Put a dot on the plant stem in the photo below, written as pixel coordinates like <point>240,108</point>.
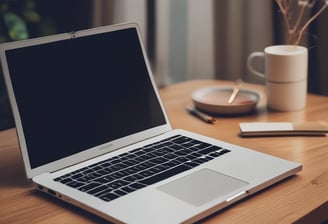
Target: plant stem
<point>297,24</point>
<point>285,6</point>
<point>300,34</point>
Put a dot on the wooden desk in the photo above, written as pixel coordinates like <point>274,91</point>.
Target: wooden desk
<point>296,199</point>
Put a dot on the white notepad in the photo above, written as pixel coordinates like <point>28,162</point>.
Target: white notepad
<point>283,128</point>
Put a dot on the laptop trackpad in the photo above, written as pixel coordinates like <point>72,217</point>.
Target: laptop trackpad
<point>202,186</point>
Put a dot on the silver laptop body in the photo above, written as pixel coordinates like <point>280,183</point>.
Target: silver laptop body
<point>88,97</point>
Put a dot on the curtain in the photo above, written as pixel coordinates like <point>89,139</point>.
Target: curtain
<point>107,12</point>
<point>103,12</point>
<point>209,39</point>
<point>241,27</point>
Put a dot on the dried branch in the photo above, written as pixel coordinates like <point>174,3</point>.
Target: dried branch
<point>296,30</point>
<point>300,34</point>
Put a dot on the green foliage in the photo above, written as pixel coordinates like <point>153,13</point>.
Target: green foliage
<point>15,17</point>
<point>16,27</point>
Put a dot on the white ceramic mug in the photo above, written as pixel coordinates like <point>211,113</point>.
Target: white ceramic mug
<point>285,74</point>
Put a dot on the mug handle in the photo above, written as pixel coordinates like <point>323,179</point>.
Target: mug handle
<point>249,63</point>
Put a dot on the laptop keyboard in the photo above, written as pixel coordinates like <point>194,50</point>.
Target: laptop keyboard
<point>128,172</point>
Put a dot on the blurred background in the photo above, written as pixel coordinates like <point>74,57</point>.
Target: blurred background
<point>185,39</point>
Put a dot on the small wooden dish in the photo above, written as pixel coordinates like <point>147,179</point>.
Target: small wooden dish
<point>215,100</point>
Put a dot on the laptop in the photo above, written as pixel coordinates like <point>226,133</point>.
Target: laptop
<point>93,132</point>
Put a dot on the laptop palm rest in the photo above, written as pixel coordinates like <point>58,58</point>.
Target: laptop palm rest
<point>202,186</point>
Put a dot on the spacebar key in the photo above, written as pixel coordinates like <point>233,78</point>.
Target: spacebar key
<point>164,175</point>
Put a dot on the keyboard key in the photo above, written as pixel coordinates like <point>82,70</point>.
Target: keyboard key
<point>98,190</point>
<point>181,140</point>
<point>109,196</point>
<point>209,150</point>
<point>88,187</point>
<point>117,184</point>
<point>120,192</point>
<point>191,164</point>
<point>137,186</point>
<point>78,175</point>
<point>147,173</point>
<point>75,184</point>
<point>128,189</point>
<point>105,179</point>
<point>158,160</point>
<point>66,180</point>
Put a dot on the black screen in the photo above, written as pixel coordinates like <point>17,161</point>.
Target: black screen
<point>78,93</point>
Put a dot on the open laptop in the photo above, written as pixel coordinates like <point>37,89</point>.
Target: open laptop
<point>93,132</point>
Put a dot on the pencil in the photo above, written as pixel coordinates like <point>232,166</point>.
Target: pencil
<point>204,117</point>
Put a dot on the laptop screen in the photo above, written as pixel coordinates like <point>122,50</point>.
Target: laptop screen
<point>78,93</point>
